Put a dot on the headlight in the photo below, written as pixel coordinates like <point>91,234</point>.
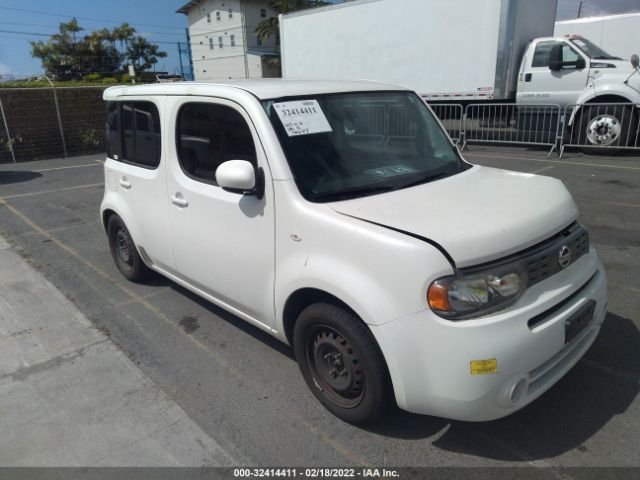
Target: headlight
<point>477,293</point>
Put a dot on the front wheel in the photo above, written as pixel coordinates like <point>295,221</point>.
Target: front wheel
<point>342,363</point>
<point>606,126</point>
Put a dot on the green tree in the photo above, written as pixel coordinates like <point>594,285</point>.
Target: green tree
<point>65,56</point>
<point>143,54</point>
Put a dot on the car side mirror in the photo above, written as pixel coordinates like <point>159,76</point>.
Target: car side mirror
<point>581,63</point>
<point>635,61</point>
<point>239,176</point>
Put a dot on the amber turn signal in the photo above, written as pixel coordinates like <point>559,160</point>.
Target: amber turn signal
<point>438,297</point>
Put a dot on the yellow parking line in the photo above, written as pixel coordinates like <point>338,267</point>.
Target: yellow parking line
<point>622,204</point>
<point>543,169</point>
<point>44,192</point>
<point>561,162</point>
<point>337,446</point>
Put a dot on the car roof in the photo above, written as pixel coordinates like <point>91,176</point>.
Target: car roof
<point>261,88</point>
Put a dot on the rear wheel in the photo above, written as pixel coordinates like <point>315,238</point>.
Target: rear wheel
<point>124,252</point>
<point>606,126</point>
<point>342,363</point>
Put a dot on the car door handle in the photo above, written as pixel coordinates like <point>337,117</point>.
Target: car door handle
<point>527,77</point>
<point>179,200</point>
<point>124,183</point>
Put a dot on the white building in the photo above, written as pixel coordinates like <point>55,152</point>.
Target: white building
<point>223,39</point>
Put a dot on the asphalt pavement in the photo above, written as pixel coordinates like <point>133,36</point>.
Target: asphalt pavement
<point>242,388</point>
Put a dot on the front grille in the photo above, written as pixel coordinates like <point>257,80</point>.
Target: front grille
<point>543,260</point>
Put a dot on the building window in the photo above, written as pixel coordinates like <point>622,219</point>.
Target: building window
<point>211,44</point>
<point>208,18</point>
<point>263,12</point>
<point>258,39</point>
<point>218,15</point>
<point>230,13</point>
<point>207,135</point>
<point>220,42</point>
<point>232,39</point>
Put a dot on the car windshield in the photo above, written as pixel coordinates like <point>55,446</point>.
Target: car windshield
<point>349,145</point>
<point>592,50</point>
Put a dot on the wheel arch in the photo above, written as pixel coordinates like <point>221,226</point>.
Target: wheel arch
<point>607,98</point>
<point>300,299</point>
<point>106,215</point>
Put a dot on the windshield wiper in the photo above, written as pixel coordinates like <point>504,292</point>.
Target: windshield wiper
<point>429,178</point>
<point>349,192</point>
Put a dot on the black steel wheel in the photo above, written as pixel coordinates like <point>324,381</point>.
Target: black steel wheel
<point>124,252</point>
<point>342,363</point>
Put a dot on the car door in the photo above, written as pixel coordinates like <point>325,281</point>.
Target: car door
<point>538,84</point>
<point>223,242</point>
<point>135,169</point>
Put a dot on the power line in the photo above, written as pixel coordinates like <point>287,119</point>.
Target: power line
<point>103,20</point>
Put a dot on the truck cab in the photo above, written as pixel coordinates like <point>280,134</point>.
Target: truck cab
<point>573,70</point>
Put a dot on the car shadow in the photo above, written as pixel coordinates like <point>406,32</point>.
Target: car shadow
<point>602,385</point>
<point>17,177</point>
<point>239,323</point>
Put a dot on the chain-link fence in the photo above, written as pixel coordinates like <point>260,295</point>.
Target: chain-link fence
<point>40,123</point>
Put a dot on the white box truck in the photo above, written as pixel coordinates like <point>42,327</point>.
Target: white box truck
<point>443,49</point>
<point>469,51</point>
<point>616,34</point>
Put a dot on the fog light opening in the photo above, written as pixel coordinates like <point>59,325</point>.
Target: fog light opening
<point>519,391</point>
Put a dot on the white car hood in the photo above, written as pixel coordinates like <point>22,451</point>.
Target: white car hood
<point>477,216</point>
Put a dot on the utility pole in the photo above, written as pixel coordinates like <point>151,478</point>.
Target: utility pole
<point>580,9</point>
<point>244,39</point>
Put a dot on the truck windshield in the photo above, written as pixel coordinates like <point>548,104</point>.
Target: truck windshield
<point>592,50</point>
<point>348,145</point>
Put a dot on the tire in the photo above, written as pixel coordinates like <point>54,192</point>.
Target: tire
<point>342,363</point>
<point>606,126</point>
<point>124,252</point>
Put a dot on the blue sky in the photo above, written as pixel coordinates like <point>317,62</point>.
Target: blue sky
<point>155,19</point>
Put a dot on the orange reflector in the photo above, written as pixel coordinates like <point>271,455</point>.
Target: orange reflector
<point>438,297</point>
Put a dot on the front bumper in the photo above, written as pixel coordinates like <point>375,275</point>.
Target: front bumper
<point>429,357</point>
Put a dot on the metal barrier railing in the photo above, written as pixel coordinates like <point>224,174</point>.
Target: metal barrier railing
<point>601,126</point>
<point>451,116</point>
<point>511,123</point>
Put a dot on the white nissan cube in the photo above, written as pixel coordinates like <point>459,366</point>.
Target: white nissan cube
<point>339,217</point>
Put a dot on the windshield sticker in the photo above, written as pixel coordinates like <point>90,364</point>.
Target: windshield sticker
<point>391,171</point>
<point>303,117</point>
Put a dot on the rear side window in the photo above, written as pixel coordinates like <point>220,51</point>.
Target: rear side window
<point>208,135</point>
<point>133,133</point>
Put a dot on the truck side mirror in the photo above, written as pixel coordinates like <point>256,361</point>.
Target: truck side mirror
<point>555,57</point>
<point>635,61</point>
<point>581,63</point>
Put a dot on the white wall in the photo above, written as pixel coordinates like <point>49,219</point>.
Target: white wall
<point>226,61</point>
<point>618,35</point>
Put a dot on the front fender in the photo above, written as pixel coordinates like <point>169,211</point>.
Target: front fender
<point>591,95</point>
<point>379,280</point>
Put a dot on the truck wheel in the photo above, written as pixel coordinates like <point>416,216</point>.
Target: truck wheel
<point>606,126</point>
<point>124,252</point>
<point>342,363</point>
